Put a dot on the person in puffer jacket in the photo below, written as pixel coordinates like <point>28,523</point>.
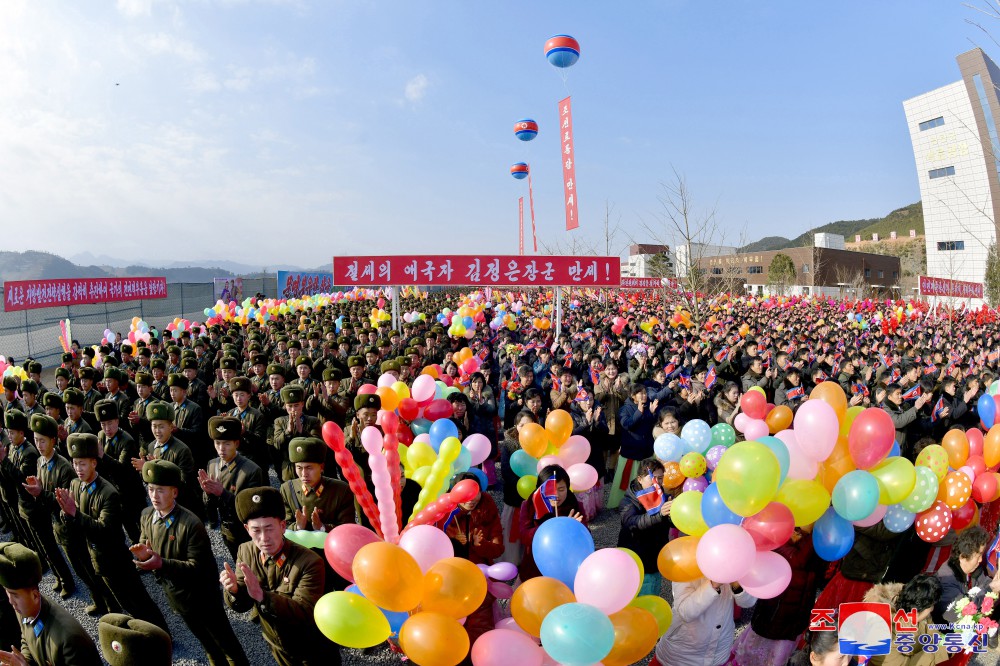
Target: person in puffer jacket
<point>645,531</point>
<point>920,594</point>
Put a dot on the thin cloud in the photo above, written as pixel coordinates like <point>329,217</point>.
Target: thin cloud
<point>416,88</point>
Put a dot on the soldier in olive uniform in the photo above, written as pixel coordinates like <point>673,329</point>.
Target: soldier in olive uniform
<point>349,387</point>
<point>10,400</point>
<point>189,420</point>
<point>221,401</point>
<point>158,368</point>
<point>294,424</point>
<point>327,403</point>
<point>49,633</point>
<point>17,462</point>
<point>138,424</point>
<point>75,422</point>
<point>280,579</point>
<point>175,546</point>
<point>226,476</point>
<point>254,442</point>
<point>303,372</point>
<point>197,389</point>
<point>270,399</point>
<point>168,447</point>
<point>115,464</point>
<point>126,641</point>
<point>39,509</point>
<point>54,406</point>
<point>258,373</point>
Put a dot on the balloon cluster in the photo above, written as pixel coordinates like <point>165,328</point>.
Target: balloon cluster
<point>139,330</point>
<point>66,335</point>
<point>553,444</point>
<point>8,370</point>
<point>178,326</point>
<point>109,337</point>
<point>688,458</point>
<point>462,322</point>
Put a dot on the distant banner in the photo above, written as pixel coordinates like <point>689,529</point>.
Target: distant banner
<point>531,207</point>
<point>648,283</point>
<point>31,294</point>
<point>297,285</point>
<point>486,270</point>
<point>520,225</point>
<point>932,286</point>
<point>228,289</point>
<point>569,163</point>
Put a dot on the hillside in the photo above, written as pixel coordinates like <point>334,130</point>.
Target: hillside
<point>33,265</point>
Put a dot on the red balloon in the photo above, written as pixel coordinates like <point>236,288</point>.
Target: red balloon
<point>333,436</point>
<point>871,437</point>
<point>977,464</point>
<point>963,516</point>
<point>388,420</point>
<point>408,409</point>
<point>975,437</point>
<point>933,524</point>
<point>404,434</point>
<point>465,491</point>
<point>438,409</point>
<point>448,381</point>
<point>366,389</point>
<point>770,527</point>
<point>754,404</point>
<point>343,543</point>
<point>984,488</point>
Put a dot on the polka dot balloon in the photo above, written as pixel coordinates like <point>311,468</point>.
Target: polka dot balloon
<point>956,490</point>
<point>933,524</point>
<point>935,458</point>
<point>924,491</point>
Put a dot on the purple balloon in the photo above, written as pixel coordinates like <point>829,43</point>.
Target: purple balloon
<point>695,483</point>
<point>502,571</point>
<point>714,455</point>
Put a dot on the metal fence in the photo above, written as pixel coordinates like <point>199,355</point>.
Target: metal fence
<point>35,333</point>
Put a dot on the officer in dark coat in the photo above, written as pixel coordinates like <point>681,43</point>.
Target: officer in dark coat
<point>294,424</point>
<point>253,445</point>
<point>168,447</point>
<point>115,464</point>
<point>17,462</point>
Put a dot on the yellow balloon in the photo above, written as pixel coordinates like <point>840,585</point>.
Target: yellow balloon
<point>686,513</point>
<point>526,485</point>
<point>420,475</point>
<point>351,620</point>
<point>806,498</point>
<point>759,390</point>
<point>401,390</point>
<point>896,478</point>
<point>852,413</point>
<point>420,454</point>
<point>659,607</point>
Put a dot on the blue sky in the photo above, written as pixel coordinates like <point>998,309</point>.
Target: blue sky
<point>286,132</point>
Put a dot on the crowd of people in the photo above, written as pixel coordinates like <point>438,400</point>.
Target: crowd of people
<point>123,466</point>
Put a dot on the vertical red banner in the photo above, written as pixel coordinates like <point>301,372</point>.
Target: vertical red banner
<point>531,207</point>
<point>569,163</point>
<point>520,225</point>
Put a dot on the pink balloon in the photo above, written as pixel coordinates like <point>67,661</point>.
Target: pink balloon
<point>968,471</point>
<point>343,543</point>
<point>366,389</point>
<point>501,647</point>
<point>427,544</point>
<point>545,461</point>
<point>877,515</point>
<point>975,437</point>
<point>607,579</point>
<point>871,437</point>
<point>371,439</point>
<point>511,624</point>
<point>771,526</point>
<point>755,429</point>
<point>499,590</point>
<point>816,428</point>
<point>423,388</point>
<point>386,381</point>
<point>478,446</point>
<point>741,421</point>
<point>575,450</point>
<point>581,477</point>
<point>725,553</point>
<point>768,575</point>
<point>800,466</point>
<point>423,437</point>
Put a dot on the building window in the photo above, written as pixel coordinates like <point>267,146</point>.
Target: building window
<point>950,246</point>
<point>805,268</point>
<point>755,269</point>
<point>716,271</point>
<point>933,122</point>
<point>895,275</point>
<point>942,172</point>
<point>881,274</point>
<point>868,272</point>
<point>988,115</point>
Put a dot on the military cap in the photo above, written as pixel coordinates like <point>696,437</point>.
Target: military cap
<point>14,419</point>
<point>180,381</point>
<point>45,425</point>
<point>226,428</point>
<point>74,396</point>
<point>303,360</point>
<point>282,338</point>
<point>343,340</point>
<point>88,373</point>
<point>295,344</point>
<point>229,349</point>
<point>409,351</point>
<point>313,335</point>
<point>227,339</point>
<point>158,363</point>
<point>104,349</point>
<point>240,384</point>
<point>20,567</point>
<point>159,411</point>
<point>67,357</point>
<point>200,342</point>
<point>332,375</point>
<point>174,349</point>
<point>262,502</point>
<point>52,399</point>
<point>82,445</point>
<point>126,641</point>
<point>354,361</point>
<point>369,400</point>
<point>63,372</point>
<point>144,379</point>
<point>111,361</point>
<point>111,372</point>
<point>389,366</point>
<point>307,449</point>
<point>89,351</point>
<point>185,335</point>
<point>254,347</point>
<point>189,363</point>
<point>10,383</point>
<point>29,386</point>
<point>383,343</point>
<point>145,351</point>
<point>229,363</point>
<point>126,349</point>
<point>371,349</point>
<point>393,332</point>
<point>292,393</point>
<point>275,369</point>
<point>256,359</point>
<point>106,410</point>
<point>161,472</point>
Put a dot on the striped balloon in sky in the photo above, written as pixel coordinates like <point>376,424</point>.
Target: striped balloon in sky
<point>519,170</point>
<point>562,51</point>
<point>526,129</point>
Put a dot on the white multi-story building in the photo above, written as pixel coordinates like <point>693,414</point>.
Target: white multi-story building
<point>698,252</point>
<point>643,258</point>
<point>956,149</point>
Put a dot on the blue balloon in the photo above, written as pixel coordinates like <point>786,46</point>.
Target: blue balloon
<point>441,430</point>
<point>523,464</point>
<point>668,447</point>
<point>894,451</point>
<point>987,410</point>
<point>856,495</point>
<point>560,546</point>
<point>420,426</point>
<point>577,634</point>
<point>897,519</point>
<point>396,620</point>
<point>780,452</point>
<point>562,51</point>
<point>698,435</point>
<point>714,510</point>
<point>463,462</point>
<point>481,477</point>
<point>832,536</point>
<point>468,322</point>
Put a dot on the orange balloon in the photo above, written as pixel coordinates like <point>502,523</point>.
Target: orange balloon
<point>453,586</point>
<point>677,560</point>
<point>388,576</point>
<point>991,447</point>
<point>836,465</point>
<point>390,399</point>
<point>534,440</point>
<point>955,490</point>
<point>957,445</point>
<point>672,475</point>
<point>433,639</point>
<point>535,598</point>
<point>559,424</point>
<point>833,395</point>
<point>779,418</point>
<point>430,370</point>
<point>635,636</point>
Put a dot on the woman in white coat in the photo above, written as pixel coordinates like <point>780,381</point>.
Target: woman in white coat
<point>702,631</point>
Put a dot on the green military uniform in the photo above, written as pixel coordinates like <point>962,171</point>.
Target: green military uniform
<point>236,475</point>
<point>187,573</point>
<point>116,467</point>
<point>140,430</point>
<point>253,443</point>
<point>120,398</point>
<point>126,641</point>
<point>284,431</point>
<point>177,452</point>
<point>16,466</point>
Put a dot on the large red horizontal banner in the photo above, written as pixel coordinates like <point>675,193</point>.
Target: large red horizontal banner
<point>648,283</point>
<point>31,294</point>
<point>932,286</point>
<point>468,270</point>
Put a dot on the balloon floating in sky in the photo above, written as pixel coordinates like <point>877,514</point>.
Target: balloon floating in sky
<point>526,129</point>
<point>562,51</point>
<point>519,170</point>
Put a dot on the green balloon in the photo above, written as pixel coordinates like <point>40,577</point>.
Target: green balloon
<point>659,607</point>
<point>924,492</point>
<point>747,477</point>
<point>526,486</point>
<point>351,620</point>
<point>307,538</point>
<point>723,435</point>
<point>686,513</point>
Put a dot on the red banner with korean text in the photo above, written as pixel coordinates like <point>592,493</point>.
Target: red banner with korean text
<point>932,286</point>
<point>531,208</point>
<point>648,283</point>
<point>520,225</point>
<point>469,270</point>
<point>32,294</point>
<point>569,163</point>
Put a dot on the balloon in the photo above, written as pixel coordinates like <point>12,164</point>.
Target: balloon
<point>526,485</point>
<point>668,447</point>
<point>832,536</point>
<point>672,476</point>
<point>780,451</point>
<point>698,483</point>
<point>697,434</point>
<point>807,500</point>
<point>714,455</point>
<point>562,51</point>
<point>502,571</point>
<point>770,573</point>
<point>526,129</point>
<point>678,560</point>
<point>725,553</point>
<point>856,495</point>
<point>659,608</point>
<point>934,523</point>
<point>608,580</point>
<point>832,394</point>
<point>441,430</point>
<point>434,639</point>
<point>897,519</point>
<point>427,545</point>
<point>723,435</point>
<point>575,450</point>
<point>925,490</point>
<point>351,620</point>
<point>408,409</point>
<point>636,631</point>
<point>577,634</point>
<point>420,454</point>
<point>754,405</point>
<point>771,527</point>
<point>955,490</point>
<point>686,514</point>
<point>714,511</point>
<point>874,518</point>
<point>453,587</point>
<point>956,445</point>
<point>848,420</point>
<point>963,516</point>
<point>896,478</point>
<point>388,576</point>
<point>522,464</point>
<point>747,477</point>
<point>984,488</point>
<point>741,421</point>
<point>693,464</point>
<point>582,477</point>
<point>423,388</point>
<point>991,447</point>
<point>935,458</point>
<point>478,446</point>
<point>987,410</point>
<point>534,440</point>
<point>559,424</point>
<point>307,538</point>
<point>755,429</point>
<point>343,542</point>
<point>800,466</point>
<point>816,428</point>
<point>560,546</point>
<point>871,437</point>
<point>780,418</point>
<point>500,647</point>
<point>535,598</point>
